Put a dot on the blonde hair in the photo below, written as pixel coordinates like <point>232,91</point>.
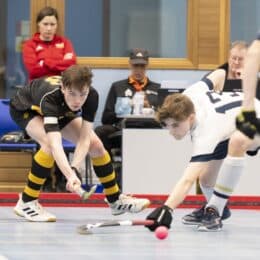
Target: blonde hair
<point>239,45</point>
<point>176,106</point>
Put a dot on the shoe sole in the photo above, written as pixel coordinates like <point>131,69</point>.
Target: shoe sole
<point>197,223</point>
<point>204,229</point>
<point>190,223</point>
<point>144,207</point>
<point>18,214</point>
<point>49,220</point>
<point>227,216</point>
<point>22,216</point>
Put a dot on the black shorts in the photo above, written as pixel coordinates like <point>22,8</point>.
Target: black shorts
<point>22,118</point>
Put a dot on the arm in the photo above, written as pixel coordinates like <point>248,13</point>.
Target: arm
<point>183,186</point>
<point>57,61</point>
<point>246,121</point>
<point>218,79</point>
<point>34,66</point>
<point>82,147</point>
<point>162,215</point>
<point>55,141</point>
<point>251,69</point>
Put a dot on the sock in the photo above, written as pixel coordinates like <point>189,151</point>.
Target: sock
<point>41,169</point>
<point>106,175</point>
<point>228,178</point>
<point>207,191</point>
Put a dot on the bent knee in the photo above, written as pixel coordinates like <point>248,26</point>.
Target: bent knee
<point>96,148</point>
<point>239,143</point>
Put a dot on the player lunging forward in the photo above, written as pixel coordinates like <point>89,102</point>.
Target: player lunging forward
<point>55,107</point>
<point>208,116</point>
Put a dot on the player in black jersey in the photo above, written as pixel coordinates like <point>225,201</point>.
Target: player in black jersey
<point>64,106</point>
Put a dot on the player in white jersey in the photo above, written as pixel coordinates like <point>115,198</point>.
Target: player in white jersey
<point>247,135</point>
<point>208,116</point>
<point>212,111</point>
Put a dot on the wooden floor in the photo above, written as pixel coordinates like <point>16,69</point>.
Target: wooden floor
<point>240,238</point>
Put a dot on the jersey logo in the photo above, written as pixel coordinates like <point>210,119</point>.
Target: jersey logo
<point>39,48</point>
<point>69,114</point>
<point>128,93</point>
<point>54,80</point>
<point>59,45</point>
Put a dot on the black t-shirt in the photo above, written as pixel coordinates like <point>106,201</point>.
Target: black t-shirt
<point>45,97</point>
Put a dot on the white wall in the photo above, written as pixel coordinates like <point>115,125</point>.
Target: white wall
<point>153,162</point>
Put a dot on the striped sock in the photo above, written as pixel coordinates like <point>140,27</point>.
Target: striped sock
<point>41,169</point>
<point>207,191</point>
<point>106,174</point>
<point>228,178</point>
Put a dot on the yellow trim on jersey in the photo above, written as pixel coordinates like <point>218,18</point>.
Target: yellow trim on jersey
<point>37,109</point>
<point>112,190</point>
<point>99,161</point>
<point>54,80</point>
<point>36,179</point>
<point>31,192</point>
<point>44,159</point>
<point>222,188</point>
<point>108,178</point>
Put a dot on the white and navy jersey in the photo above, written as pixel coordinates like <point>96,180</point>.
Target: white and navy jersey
<point>44,96</point>
<point>215,120</point>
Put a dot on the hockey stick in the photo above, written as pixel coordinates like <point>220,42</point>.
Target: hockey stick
<point>85,194</point>
<point>86,229</point>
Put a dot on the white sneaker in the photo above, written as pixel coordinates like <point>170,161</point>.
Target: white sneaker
<point>128,204</point>
<point>33,211</point>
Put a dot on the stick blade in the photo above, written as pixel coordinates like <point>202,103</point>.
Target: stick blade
<point>83,230</point>
<point>87,194</point>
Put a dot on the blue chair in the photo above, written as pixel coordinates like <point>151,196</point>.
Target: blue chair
<point>8,125</point>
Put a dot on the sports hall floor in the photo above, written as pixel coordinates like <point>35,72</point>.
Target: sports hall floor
<point>240,238</point>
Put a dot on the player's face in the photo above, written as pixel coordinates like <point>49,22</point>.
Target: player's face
<point>138,71</point>
<point>236,62</point>
<point>179,129</point>
<point>47,28</point>
<point>75,98</point>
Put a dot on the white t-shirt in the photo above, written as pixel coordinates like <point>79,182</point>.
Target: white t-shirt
<point>215,120</point>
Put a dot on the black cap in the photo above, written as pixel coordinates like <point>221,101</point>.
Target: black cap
<point>139,56</point>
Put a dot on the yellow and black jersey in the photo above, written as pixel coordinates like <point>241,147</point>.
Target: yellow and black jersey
<point>45,97</point>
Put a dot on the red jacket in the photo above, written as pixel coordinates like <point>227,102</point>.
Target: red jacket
<point>43,58</point>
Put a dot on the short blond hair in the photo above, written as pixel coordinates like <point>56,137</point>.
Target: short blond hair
<point>239,44</point>
<point>176,106</point>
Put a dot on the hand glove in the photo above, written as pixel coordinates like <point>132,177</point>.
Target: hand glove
<point>246,123</point>
<point>73,182</point>
<point>161,216</point>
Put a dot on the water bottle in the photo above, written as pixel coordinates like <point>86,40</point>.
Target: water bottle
<point>138,103</point>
